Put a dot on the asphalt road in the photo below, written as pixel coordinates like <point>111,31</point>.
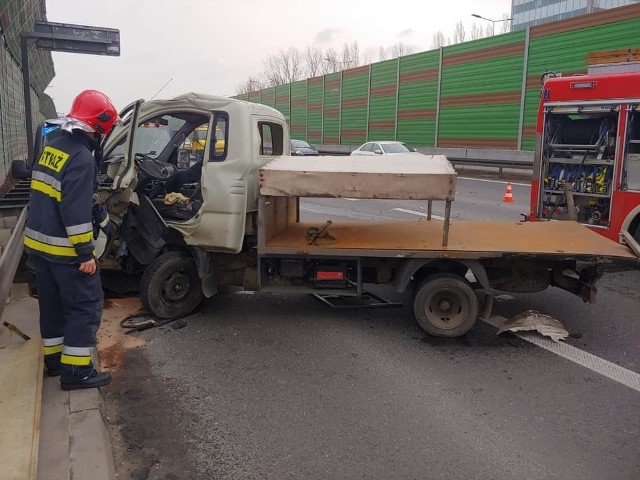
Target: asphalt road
<point>281,387</point>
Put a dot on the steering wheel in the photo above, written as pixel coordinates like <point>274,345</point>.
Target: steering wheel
<point>156,169</point>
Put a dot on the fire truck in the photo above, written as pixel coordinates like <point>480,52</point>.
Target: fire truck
<point>587,154</point>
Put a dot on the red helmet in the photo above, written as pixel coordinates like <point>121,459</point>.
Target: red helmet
<point>95,110</point>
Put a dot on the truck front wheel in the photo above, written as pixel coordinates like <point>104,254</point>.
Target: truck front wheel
<point>445,305</point>
<point>170,286</point>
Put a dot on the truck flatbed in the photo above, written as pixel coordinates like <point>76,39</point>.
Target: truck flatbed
<point>414,177</point>
<point>467,239</point>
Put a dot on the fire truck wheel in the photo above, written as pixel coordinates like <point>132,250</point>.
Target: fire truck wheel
<point>445,305</point>
<point>170,286</point>
<point>636,234</point>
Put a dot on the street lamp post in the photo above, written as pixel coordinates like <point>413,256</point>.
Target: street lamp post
<point>493,22</point>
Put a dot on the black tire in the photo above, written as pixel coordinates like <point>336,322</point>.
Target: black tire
<point>636,233</point>
<point>445,305</point>
<point>170,286</point>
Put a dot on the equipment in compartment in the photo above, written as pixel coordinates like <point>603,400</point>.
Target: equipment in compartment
<point>579,156</point>
<point>585,178</point>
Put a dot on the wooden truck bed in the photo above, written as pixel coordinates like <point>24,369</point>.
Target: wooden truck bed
<point>467,239</point>
<point>285,180</point>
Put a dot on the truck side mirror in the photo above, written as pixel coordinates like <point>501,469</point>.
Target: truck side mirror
<point>184,159</point>
<point>19,170</point>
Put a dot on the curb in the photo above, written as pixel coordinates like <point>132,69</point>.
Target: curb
<point>74,435</point>
<point>80,416</point>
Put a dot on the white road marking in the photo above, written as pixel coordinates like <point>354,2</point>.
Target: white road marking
<point>352,199</point>
<point>595,364</point>
<point>494,181</point>
<point>421,214</point>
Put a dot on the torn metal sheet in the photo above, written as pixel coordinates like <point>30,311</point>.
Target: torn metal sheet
<point>534,320</point>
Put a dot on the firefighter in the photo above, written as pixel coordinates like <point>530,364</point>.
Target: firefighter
<point>59,240</point>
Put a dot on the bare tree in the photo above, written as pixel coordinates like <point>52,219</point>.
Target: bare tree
<point>459,35</point>
<point>400,50</point>
<point>314,58</point>
<point>489,30</point>
<point>252,84</point>
<point>438,39</point>
<point>476,32</point>
<point>506,24</point>
<point>350,55</point>
<point>284,67</point>
<point>331,63</point>
<point>382,54</point>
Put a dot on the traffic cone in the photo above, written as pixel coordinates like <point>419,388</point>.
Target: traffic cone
<point>508,195</point>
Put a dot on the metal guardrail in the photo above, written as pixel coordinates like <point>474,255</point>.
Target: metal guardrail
<point>10,258</point>
<point>480,157</point>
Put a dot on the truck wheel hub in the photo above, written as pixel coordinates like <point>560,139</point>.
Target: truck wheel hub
<point>176,286</point>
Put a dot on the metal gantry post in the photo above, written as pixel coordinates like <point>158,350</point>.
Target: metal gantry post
<point>26,85</point>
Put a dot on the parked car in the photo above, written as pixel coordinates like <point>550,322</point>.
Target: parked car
<point>383,148</point>
<point>300,147</point>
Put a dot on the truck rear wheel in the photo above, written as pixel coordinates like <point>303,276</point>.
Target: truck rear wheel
<point>445,305</point>
<point>170,286</point>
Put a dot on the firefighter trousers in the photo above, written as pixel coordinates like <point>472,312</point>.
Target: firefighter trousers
<point>70,311</point>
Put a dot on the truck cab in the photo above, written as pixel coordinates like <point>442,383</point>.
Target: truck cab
<point>157,208</point>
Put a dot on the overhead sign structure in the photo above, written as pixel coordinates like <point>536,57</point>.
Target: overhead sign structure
<point>63,37</point>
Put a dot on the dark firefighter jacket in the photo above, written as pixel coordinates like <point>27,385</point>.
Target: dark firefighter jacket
<point>59,223</point>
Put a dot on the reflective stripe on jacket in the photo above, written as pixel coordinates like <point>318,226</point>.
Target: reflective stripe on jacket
<point>59,222</point>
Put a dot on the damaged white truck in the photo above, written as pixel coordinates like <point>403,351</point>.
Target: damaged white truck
<point>232,218</point>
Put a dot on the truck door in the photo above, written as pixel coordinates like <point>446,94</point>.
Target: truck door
<point>234,154</point>
<point>124,171</point>
<point>630,176</point>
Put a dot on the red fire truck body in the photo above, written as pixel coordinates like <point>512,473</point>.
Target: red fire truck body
<point>587,155</point>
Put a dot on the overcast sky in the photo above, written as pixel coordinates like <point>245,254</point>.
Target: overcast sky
<point>213,46</point>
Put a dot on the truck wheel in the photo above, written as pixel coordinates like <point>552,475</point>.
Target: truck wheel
<point>445,305</point>
<point>170,286</point>
<point>636,233</point>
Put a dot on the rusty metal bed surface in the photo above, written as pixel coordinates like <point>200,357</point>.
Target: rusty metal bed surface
<point>470,239</point>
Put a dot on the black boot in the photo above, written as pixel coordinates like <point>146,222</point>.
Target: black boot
<point>52,364</point>
<point>92,380</point>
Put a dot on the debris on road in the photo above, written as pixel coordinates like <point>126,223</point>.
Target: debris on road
<point>534,320</point>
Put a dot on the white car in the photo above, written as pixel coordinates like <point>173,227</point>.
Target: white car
<point>383,148</point>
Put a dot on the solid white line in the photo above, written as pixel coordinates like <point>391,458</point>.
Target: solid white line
<point>595,364</point>
<point>352,199</point>
<point>422,214</point>
<point>494,181</point>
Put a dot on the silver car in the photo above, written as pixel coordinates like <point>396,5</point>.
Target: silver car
<point>383,148</point>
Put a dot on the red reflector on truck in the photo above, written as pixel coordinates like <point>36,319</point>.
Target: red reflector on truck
<point>329,275</point>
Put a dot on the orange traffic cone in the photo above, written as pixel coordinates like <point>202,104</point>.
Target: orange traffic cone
<point>508,195</point>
